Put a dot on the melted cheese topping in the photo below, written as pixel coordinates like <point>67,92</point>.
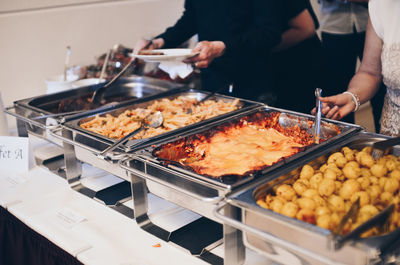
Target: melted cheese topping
<point>240,150</point>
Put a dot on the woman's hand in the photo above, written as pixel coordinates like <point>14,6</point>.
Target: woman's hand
<point>208,51</point>
<point>336,107</point>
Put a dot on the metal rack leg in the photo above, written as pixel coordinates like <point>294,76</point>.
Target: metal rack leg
<point>74,167</point>
<point>234,250</point>
<point>140,208</point>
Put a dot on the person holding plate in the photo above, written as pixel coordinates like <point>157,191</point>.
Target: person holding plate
<point>235,41</point>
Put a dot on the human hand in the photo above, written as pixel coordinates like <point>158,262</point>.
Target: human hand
<point>208,51</point>
<point>155,44</point>
<point>336,107</point>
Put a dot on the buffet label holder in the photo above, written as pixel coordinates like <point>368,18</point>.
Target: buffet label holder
<point>308,243</point>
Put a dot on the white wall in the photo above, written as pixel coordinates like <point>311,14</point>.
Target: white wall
<point>33,42</point>
<point>34,36</point>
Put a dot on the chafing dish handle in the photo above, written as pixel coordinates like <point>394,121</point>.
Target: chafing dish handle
<point>27,120</point>
<point>123,164</point>
<point>266,236</point>
<point>54,132</point>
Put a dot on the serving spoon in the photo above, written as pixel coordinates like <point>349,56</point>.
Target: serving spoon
<point>153,120</point>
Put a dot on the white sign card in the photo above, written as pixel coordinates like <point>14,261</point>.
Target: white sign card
<point>14,153</point>
<point>68,218</point>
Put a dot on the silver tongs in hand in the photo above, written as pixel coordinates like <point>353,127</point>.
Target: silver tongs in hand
<point>318,114</point>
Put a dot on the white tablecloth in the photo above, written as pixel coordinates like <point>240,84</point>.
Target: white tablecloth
<point>104,236</point>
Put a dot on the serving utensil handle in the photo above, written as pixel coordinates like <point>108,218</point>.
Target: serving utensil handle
<point>105,63</point>
<point>119,142</point>
<point>379,219</point>
<point>214,92</point>
<point>318,114</point>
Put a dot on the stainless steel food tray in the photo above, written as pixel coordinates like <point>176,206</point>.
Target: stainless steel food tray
<point>266,231</point>
<point>212,190</point>
<point>134,87</point>
<point>87,137</point>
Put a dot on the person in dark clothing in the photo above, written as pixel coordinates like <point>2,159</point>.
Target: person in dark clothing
<point>235,42</point>
<point>296,59</point>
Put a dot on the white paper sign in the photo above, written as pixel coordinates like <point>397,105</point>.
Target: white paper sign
<point>14,153</point>
<point>14,180</point>
<point>68,218</point>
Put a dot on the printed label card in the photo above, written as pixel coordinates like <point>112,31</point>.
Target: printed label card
<point>14,153</point>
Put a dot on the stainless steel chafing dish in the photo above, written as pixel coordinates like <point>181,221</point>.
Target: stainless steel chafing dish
<point>86,145</point>
<point>268,232</point>
<point>82,145</point>
<point>208,191</point>
<point>202,194</point>
<point>134,145</point>
<point>127,89</point>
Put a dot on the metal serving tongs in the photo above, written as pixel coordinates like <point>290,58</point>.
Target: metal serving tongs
<point>318,114</point>
<point>98,94</point>
<point>382,220</point>
<point>382,148</point>
<point>351,214</point>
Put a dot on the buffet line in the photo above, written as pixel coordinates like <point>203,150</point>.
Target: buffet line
<point>253,168</point>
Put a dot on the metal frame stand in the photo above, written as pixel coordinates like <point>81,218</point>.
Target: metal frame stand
<point>234,250</point>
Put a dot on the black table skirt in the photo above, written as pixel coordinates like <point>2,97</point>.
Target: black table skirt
<point>20,245</point>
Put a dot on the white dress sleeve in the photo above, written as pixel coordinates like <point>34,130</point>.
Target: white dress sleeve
<point>375,10</point>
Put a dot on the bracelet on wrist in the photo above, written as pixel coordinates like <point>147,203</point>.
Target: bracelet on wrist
<point>355,99</point>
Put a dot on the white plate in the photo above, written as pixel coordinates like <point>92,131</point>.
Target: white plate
<point>169,55</point>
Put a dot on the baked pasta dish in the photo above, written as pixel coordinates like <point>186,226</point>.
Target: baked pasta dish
<point>177,113</point>
<point>239,148</point>
<point>322,194</point>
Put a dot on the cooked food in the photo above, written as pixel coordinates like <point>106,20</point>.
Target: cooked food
<point>175,112</point>
<point>239,148</point>
<point>85,103</point>
<point>150,52</point>
<point>324,193</point>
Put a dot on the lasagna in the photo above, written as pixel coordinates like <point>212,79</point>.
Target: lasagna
<point>239,148</point>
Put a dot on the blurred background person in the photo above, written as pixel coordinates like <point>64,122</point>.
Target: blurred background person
<point>381,61</point>
<point>281,74</point>
<point>235,41</point>
<point>297,59</point>
<point>343,26</point>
